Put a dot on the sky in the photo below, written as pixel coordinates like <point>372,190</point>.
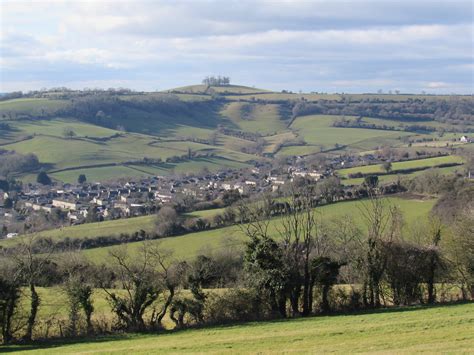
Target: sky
<point>321,45</point>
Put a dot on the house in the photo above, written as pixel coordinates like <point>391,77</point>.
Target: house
<point>465,139</point>
<point>38,206</point>
<point>11,235</point>
<point>67,205</point>
<point>163,197</point>
<point>227,187</point>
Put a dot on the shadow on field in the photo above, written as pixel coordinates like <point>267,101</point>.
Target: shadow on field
<point>55,343</point>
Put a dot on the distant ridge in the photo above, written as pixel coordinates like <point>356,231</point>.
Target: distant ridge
<point>227,89</point>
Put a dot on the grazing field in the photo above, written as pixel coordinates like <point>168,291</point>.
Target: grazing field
<point>28,106</point>
<point>319,134</point>
<point>94,145</point>
<point>438,329</point>
<point>160,132</point>
<point>264,119</point>
<point>189,245</point>
<point>401,177</point>
<point>108,228</point>
<point>410,164</point>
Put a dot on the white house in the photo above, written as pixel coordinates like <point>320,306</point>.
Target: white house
<point>464,139</point>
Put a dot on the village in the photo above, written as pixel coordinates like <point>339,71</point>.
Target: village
<point>92,202</point>
<point>35,207</point>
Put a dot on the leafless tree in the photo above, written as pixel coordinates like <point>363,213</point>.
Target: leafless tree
<point>31,264</point>
<point>383,225</point>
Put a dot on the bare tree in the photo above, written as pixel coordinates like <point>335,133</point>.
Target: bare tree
<point>31,264</point>
<point>298,230</point>
<point>145,276</point>
<point>383,224</point>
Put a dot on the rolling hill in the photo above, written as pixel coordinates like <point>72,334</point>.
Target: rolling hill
<point>224,126</point>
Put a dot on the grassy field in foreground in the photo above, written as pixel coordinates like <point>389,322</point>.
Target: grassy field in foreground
<point>406,330</point>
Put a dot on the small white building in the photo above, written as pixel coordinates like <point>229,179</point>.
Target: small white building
<point>464,139</point>
<point>12,235</point>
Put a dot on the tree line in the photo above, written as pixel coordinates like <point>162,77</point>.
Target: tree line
<point>452,111</point>
<point>290,264</point>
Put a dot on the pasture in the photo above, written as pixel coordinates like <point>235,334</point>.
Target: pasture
<point>162,134</point>
<point>409,164</point>
<point>264,119</point>
<point>9,109</point>
<point>319,134</point>
<point>402,177</point>
<point>440,329</point>
<point>92,146</point>
<point>189,245</point>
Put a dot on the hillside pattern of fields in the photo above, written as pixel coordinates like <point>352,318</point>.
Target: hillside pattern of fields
<point>221,135</point>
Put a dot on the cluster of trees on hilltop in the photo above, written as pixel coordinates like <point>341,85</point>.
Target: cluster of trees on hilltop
<point>216,80</point>
<point>454,111</point>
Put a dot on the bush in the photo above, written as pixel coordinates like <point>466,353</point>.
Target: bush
<point>236,305</point>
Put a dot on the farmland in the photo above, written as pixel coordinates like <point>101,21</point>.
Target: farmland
<point>411,164</point>
<point>412,330</point>
<point>189,245</point>
<point>133,132</point>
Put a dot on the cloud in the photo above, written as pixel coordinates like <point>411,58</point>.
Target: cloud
<point>274,44</point>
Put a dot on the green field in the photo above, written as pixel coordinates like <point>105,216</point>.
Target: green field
<point>264,119</point>
<point>439,329</point>
<point>29,106</point>
<point>396,177</point>
<point>189,245</point>
<point>95,145</point>
<point>108,228</point>
<point>162,134</point>
<point>319,134</point>
<point>410,164</point>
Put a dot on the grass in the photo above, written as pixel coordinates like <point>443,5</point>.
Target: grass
<point>395,177</point>
<point>410,164</point>
<point>272,96</point>
<point>318,132</point>
<point>161,135</point>
<point>264,119</point>
<point>228,89</point>
<point>29,106</point>
<point>108,228</point>
<point>83,151</point>
<point>189,245</point>
<point>440,329</point>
